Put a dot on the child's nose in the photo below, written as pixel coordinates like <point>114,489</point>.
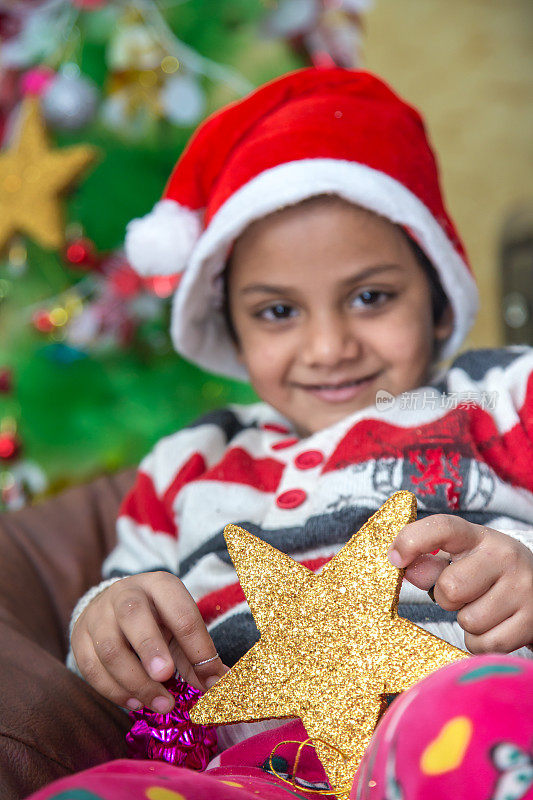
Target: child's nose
<point>328,341</point>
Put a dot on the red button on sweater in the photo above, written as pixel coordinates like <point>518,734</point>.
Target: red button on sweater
<point>309,459</point>
<point>292,498</point>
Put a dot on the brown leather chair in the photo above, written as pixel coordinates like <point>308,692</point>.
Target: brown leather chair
<point>51,722</point>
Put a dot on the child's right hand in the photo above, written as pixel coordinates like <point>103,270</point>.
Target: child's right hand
<point>136,633</point>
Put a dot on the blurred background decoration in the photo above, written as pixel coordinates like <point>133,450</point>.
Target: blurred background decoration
<point>99,97</point>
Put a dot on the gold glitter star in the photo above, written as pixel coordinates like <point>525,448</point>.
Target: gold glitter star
<point>331,644</point>
<point>31,178</point>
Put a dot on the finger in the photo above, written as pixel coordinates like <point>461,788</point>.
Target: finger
<point>488,611</point>
<point>135,618</point>
<point>438,532</point>
<point>94,673</point>
<point>186,670</point>
<point>181,662</point>
<point>425,570</point>
<point>180,614</point>
<point>466,580</point>
<point>184,667</point>
<point>504,638</point>
<point>124,667</point>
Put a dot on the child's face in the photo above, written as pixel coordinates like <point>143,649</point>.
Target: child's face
<point>330,305</point>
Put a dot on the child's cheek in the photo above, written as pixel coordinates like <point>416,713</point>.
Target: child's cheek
<point>266,359</point>
<point>408,337</point>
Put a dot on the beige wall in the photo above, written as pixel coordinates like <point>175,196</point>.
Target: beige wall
<point>468,66</point>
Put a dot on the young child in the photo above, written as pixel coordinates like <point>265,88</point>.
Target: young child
<point>305,229</point>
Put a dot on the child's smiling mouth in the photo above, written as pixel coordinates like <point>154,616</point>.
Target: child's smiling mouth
<point>338,392</point>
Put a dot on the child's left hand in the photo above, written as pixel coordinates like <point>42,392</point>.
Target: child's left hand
<point>489,582</point>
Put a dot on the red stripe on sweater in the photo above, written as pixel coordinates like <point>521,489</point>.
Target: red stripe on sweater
<point>511,453</point>
<point>372,438</point>
<point>194,468</point>
<point>144,507</point>
<point>238,466</point>
<point>220,601</point>
<point>471,430</point>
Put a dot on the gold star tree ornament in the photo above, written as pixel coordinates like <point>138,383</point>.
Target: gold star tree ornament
<point>32,176</point>
<point>331,646</point>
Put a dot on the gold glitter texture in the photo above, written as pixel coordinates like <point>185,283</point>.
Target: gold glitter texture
<point>331,644</point>
<point>31,178</point>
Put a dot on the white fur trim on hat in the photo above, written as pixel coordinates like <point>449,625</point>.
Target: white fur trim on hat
<point>198,329</point>
<point>161,242</point>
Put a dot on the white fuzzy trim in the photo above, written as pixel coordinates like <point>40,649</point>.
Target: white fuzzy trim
<point>198,329</point>
<point>84,601</point>
<point>161,242</point>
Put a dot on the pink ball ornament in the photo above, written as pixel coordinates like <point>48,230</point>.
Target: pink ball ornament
<point>89,5</point>
<point>36,81</point>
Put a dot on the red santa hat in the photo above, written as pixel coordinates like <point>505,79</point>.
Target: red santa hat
<point>313,131</point>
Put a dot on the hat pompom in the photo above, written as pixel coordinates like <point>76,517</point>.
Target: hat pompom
<point>161,242</point>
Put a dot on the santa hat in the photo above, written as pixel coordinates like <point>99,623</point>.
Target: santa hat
<point>312,131</point>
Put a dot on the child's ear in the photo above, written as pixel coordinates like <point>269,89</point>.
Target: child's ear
<point>444,326</point>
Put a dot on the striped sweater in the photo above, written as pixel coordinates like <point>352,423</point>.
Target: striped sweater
<point>463,445</point>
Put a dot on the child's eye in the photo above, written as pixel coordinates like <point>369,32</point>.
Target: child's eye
<point>371,297</point>
<point>276,311</point>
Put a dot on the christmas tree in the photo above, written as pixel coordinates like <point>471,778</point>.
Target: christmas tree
<point>97,101</point>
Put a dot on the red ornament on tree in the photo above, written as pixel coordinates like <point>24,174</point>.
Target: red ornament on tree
<point>42,322</point>
<point>162,285</point>
<point>6,380</point>
<point>124,281</point>
<point>81,254</point>
<point>10,446</point>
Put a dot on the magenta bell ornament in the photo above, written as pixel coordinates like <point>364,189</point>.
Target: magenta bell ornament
<point>173,737</point>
